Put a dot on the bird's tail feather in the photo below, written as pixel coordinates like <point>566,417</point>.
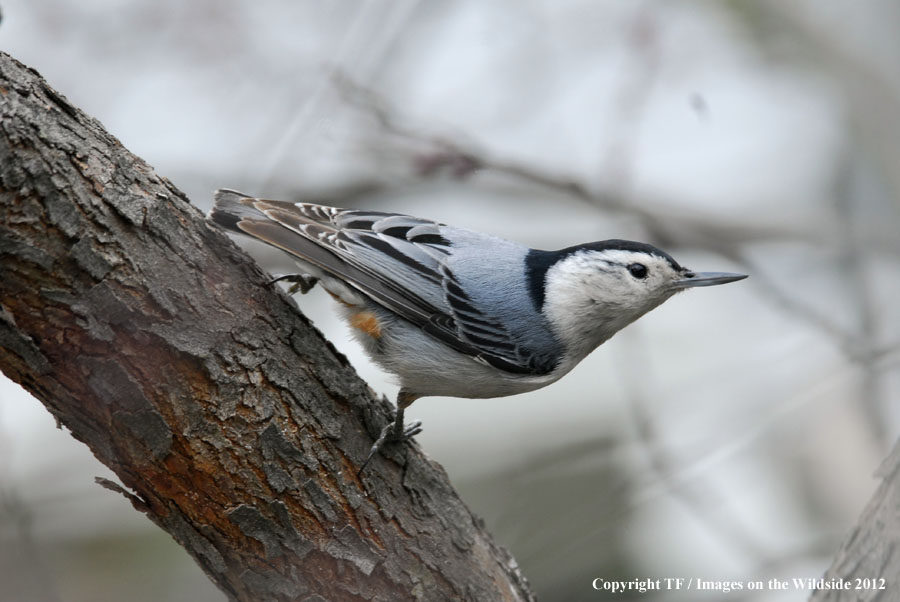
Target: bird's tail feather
<point>231,207</point>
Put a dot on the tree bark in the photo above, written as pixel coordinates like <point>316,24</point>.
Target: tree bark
<point>235,425</point>
<point>869,560</point>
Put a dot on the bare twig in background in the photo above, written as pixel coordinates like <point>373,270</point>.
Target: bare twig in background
<point>852,270</point>
<point>363,47</point>
<point>436,153</point>
<point>702,501</point>
<point>872,90</point>
<point>642,40</point>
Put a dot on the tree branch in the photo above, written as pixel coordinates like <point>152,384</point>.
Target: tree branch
<point>238,429</point>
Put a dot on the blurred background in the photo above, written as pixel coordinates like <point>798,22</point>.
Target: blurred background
<point>731,434</point>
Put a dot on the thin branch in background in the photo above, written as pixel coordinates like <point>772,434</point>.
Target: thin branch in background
<point>682,480</point>
<point>706,507</point>
<point>371,32</point>
<point>871,90</point>
<point>846,341</point>
<point>858,345</point>
<point>441,153</point>
<point>852,270</point>
<point>792,305</point>
<point>433,153</point>
<point>633,96</point>
<point>701,499</point>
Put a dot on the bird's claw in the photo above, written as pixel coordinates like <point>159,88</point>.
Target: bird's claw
<point>412,429</point>
<point>302,282</point>
<point>392,433</point>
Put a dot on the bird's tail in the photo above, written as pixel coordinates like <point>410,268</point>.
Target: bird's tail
<point>231,207</point>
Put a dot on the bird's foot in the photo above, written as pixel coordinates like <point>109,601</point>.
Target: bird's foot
<point>392,433</point>
<point>302,282</point>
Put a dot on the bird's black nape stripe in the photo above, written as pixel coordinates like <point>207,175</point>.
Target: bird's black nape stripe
<point>538,262</point>
<point>536,265</point>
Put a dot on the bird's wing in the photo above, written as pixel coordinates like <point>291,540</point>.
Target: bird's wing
<point>396,260</point>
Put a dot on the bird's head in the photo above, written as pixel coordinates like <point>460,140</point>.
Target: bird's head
<point>591,291</point>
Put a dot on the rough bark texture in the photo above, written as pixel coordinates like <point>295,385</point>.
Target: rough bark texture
<point>238,429</point>
<point>872,550</point>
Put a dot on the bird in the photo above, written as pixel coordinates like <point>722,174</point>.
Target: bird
<point>458,313</point>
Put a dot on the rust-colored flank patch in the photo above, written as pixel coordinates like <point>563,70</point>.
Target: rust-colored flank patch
<point>367,322</point>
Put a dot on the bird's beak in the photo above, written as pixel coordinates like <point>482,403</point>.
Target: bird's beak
<point>692,279</point>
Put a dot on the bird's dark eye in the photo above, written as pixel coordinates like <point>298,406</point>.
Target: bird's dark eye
<point>638,270</point>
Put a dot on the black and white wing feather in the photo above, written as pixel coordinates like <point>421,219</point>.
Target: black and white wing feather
<point>398,261</point>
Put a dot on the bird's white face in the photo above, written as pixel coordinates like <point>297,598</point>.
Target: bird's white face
<point>591,295</point>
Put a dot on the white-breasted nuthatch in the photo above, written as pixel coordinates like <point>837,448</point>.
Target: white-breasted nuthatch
<point>459,313</point>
